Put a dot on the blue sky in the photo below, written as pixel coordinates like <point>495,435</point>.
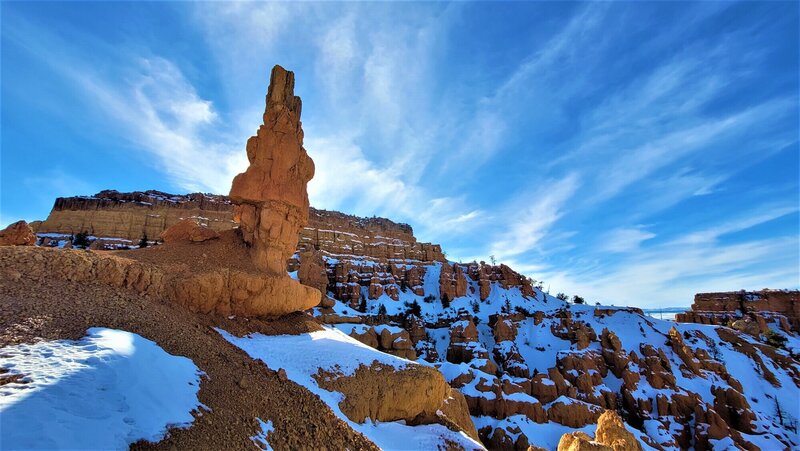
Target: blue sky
<point>633,153</point>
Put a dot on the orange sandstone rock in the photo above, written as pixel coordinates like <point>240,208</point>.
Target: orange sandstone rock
<point>611,436</point>
<point>188,230</point>
<point>17,234</point>
<point>270,196</point>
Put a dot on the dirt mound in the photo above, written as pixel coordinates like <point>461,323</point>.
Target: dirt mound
<point>204,277</point>
<point>237,390</point>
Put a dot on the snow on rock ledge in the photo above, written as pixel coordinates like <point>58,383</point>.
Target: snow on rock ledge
<point>104,391</point>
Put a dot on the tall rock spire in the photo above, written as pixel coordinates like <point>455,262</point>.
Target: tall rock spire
<point>270,196</point>
<point>271,201</point>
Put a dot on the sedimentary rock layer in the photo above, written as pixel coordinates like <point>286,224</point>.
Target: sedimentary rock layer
<point>132,215</point>
<point>757,306</point>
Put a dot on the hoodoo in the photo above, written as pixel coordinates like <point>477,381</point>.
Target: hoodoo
<point>270,196</point>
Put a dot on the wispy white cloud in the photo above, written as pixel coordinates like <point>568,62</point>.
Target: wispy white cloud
<point>528,220</point>
<point>606,149</point>
<point>669,273</point>
<point>626,239</point>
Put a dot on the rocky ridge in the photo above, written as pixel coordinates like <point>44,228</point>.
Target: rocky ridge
<point>129,216</point>
<point>529,364</point>
<point>752,310</point>
<point>521,358</point>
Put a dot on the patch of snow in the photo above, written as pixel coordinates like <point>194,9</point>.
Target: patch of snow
<point>260,439</point>
<point>104,391</point>
<point>302,356</point>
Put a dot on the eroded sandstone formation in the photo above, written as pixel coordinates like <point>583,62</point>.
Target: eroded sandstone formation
<point>17,234</point>
<point>611,435</point>
<point>131,216</point>
<point>270,197</point>
<point>751,309</point>
<point>208,285</point>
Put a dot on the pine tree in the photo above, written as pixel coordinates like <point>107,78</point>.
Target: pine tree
<point>445,301</point>
<point>81,240</point>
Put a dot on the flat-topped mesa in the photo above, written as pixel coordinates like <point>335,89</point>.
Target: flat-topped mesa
<point>270,196</point>
<point>757,307</point>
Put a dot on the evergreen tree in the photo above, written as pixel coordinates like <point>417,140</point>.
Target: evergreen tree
<point>445,301</point>
<point>414,309</point>
<point>362,306</point>
<point>81,240</point>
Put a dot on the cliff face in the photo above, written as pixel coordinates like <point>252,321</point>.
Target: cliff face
<point>753,307</point>
<point>340,234</point>
<point>130,215</point>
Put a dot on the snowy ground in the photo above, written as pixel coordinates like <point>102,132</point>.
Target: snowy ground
<point>540,350</point>
<point>104,391</point>
<point>301,356</point>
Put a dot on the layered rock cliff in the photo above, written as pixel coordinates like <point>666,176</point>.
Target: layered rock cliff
<point>753,309</point>
<point>129,216</point>
<point>529,365</point>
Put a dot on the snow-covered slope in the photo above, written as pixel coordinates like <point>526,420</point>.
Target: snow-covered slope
<point>105,391</point>
<point>303,356</point>
<point>532,367</point>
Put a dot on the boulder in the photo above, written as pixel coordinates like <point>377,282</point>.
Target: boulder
<point>611,435</point>
<point>188,230</point>
<point>17,234</point>
<point>382,392</point>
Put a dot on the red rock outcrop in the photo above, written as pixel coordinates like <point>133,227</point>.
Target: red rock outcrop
<point>339,234</point>
<point>610,435</point>
<point>270,197</point>
<point>17,234</point>
<point>188,230</point>
<point>727,307</point>
<point>417,394</point>
<point>452,282</point>
<point>203,287</point>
